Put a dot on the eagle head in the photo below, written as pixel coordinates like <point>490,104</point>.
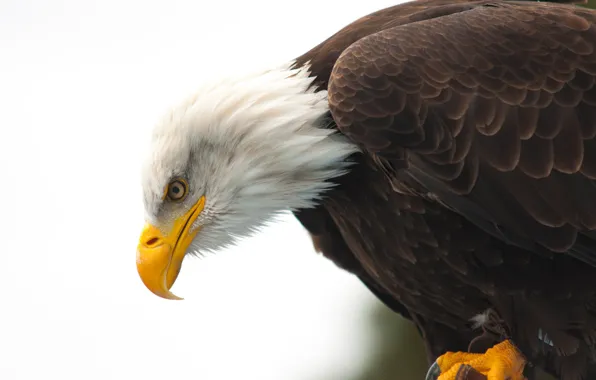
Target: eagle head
<point>228,159</point>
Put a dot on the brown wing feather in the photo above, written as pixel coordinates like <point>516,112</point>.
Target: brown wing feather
<point>452,107</point>
<point>328,240</point>
<point>495,109</point>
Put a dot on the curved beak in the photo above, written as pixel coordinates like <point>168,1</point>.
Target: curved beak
<point>160,256</point>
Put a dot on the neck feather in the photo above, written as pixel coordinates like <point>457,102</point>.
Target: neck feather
<point>287,153</point>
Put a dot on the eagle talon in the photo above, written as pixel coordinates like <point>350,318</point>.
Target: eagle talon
<point>501,362</point>
<point>433,372</point>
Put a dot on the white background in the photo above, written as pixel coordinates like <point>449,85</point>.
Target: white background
<point>81,85</point>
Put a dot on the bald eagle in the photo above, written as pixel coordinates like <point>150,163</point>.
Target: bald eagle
<point>442,151</point>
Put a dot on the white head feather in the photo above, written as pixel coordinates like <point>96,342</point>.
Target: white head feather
<point>253,145</point>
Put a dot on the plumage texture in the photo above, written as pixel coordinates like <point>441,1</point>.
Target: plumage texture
<point>477,187</point>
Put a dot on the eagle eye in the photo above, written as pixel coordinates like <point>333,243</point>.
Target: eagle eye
<point>177,190</point>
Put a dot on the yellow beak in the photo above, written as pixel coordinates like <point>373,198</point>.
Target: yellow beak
<point>159,256</point>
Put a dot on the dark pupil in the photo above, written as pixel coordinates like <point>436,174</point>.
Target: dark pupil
<point>176,190</point>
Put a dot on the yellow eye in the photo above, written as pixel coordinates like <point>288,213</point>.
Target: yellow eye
<point>177,190</point>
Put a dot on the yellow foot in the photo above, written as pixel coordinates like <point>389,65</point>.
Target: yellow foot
<point>501,362</point>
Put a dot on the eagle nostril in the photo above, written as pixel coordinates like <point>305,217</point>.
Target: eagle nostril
<point>153,242</point>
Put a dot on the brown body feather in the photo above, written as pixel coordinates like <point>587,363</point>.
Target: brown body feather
<point>477,189</point>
